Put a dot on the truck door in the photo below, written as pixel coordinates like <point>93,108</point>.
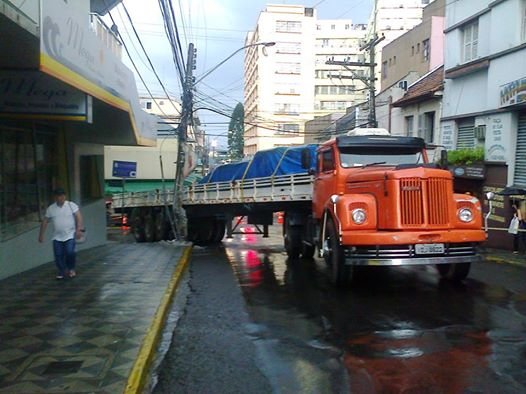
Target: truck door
<point>324,183</point>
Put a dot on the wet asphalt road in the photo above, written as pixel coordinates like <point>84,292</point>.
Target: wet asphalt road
<point>279,326</point>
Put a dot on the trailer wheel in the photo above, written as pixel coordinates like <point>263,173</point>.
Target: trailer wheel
<point>454,272</point>
<point>161,226</point>
<point>137,224</point>
<point>341,274</point>
<point>149,227</point>
<point>292,239</point>
<point>219,230</point>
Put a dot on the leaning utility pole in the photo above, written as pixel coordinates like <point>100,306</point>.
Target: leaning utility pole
<point>369,81</point>
<point>182,133</point>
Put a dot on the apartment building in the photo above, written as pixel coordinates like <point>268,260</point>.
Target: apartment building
<point>290,83</point>
<point>62,99</point>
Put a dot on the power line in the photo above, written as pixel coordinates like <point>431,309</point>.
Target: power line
<point>149,60</point>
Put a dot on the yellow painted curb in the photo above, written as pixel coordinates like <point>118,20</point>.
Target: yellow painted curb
<point>138,374</point>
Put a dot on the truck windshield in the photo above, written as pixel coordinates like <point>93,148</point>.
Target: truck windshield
<point>358,157</point>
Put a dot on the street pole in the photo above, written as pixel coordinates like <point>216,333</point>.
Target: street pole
<point>369,81</point>
<point>182,129</point>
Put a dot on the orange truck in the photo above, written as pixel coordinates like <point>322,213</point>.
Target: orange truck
<point>377,201</point>
<point>362,199</point>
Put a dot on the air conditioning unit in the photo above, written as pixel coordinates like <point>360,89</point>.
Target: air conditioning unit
<point>479,132</point>
<point>402,84</point>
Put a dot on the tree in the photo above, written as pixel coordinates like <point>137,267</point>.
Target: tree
<point>236,130</point>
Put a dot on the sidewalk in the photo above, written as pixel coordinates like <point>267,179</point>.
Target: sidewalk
<point>92,334</point>
<point>504,257</point>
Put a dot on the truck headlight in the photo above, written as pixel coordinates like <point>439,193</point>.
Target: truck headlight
<point>465,215</point>
<point>358,216</point>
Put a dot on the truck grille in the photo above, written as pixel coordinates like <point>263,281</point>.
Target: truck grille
<point>424,201</point>
<point>407,251</point>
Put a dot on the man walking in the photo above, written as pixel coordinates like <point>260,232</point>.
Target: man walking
<point>68,225</point>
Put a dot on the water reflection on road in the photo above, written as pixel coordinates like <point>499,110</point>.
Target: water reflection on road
<point>398,330</point>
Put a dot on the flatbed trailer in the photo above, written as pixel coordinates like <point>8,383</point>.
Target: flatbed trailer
<point>217,204</point>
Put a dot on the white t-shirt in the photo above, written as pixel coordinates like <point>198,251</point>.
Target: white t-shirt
<point>63,220</point>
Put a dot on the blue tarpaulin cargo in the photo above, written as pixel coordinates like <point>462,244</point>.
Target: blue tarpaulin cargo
<point>276,161</point>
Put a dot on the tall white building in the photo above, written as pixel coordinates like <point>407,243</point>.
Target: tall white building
<point>391,19</point>
<point>290,83</point>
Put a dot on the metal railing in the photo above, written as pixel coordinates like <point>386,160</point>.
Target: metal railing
<point>107,35</point>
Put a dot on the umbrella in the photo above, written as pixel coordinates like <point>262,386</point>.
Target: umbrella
<point>512,191</point>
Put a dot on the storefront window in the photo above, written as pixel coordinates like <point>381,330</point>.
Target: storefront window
<point>27,169</point>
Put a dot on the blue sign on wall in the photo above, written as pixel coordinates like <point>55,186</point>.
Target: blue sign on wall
<point>124,169</point>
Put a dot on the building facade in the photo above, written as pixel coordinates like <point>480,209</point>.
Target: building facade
<point>62,99</point>
<point>484,100</point>
<point>290,83</point>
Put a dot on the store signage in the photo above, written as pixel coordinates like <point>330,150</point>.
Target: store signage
<point>31,94</point>
<point>472,171</point>
<point>71,51</point>
<point>513,93</point>
<point>124,169</point>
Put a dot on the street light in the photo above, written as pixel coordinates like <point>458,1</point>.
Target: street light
<point>264,44</point>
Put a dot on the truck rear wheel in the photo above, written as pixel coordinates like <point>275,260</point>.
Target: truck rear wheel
<point>454,272</point>
<point>340,273</point>
<point>307,250</point>
<point>137,224</point>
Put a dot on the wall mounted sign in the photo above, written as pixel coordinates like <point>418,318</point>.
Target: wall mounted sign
<point>31,94</point>
<point>513,93</point>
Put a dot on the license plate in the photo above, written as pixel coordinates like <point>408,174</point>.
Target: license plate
<point>429,248</point>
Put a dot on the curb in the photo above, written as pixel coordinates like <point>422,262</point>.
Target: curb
<point>138,374</point>
<point>502,260</point>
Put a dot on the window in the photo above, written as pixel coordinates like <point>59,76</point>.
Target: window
<point>287,108</point>
<point>148,105</point>
<point>425,50</point>
<point>470,38</point>
<point>288,68</point>
<point>28,174</point>
<point>394,60</point>
<point>288,26</point>
<point>333,27</point>
<point>289,47</point>
<point>288,128</point>
<point>413,50</point>
<point>409,121</point>
<point>327,161</point>
<point>384,70</point>
<point>418,48</point>
<point>347,26</point>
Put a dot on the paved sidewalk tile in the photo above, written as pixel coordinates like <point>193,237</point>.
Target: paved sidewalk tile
<point>81,335</point>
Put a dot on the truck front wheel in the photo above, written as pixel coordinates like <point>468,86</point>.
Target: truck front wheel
<point>340,273</point>
<point>292,239</point>
<point>454,272</point>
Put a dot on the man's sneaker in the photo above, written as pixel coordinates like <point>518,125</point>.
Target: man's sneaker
<point>58,277</point>
<point>72,274</point>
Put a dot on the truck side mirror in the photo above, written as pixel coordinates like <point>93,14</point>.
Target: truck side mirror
<point>306,159</point>
<point>443,159</point>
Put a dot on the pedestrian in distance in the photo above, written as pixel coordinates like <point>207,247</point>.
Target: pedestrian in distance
<point>68,226</point>
<point>516,224</point>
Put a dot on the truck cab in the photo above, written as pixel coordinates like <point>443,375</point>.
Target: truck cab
<point>378,201</point>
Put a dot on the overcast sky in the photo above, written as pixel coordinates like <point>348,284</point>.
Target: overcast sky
<point>217,28</point>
